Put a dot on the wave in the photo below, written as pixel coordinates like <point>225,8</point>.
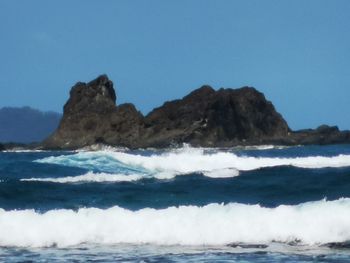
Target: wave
<point>15,150</point>
<point>265,147</point>
<point>192,160</point>
<point>89,177</point>
<point>101,161</point>
<point>105,147</point>
<point>101,147</point>
<point>312,223</point>
<point>116,166</point>
<point>189,160</point>
<point>221,173</point>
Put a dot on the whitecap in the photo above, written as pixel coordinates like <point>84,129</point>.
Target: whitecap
<point>188,160</point>
<point>197,160</point>
<point>89,177</point>
<point>312,223</point>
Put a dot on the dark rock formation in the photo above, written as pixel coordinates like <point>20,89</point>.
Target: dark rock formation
<point>12,146</point>
<point>338,245</point>
<point>91,116</point>
<point>322,135</point>
<point>225,117</point>
<point>205,117</point>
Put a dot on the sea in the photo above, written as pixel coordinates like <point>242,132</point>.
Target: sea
<point>182,204</point>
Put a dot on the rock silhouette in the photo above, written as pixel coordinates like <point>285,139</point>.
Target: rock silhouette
<point>205,117</point>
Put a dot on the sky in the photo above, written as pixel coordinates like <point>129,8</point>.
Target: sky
<point>296,52</point>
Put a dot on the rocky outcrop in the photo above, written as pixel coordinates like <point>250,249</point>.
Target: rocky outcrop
<point>225,117</point>
<point>322,135</point>
<point>15,146</point>
<point>90,116</point>
<point>205,117</point>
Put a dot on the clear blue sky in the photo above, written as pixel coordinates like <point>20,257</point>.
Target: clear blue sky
<point>297,52</point>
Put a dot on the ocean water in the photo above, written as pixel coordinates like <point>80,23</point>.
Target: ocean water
<point>252,204</point>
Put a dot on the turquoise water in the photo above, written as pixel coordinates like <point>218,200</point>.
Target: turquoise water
<point>261,204</point>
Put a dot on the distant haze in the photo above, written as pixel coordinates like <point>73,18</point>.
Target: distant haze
<point>26,125</point>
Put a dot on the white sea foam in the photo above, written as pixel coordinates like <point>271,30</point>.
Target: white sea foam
<point>92,160</point>
<point>101,147</point>
<point>197,160</point>
<point>90,177</point>
<point>264,147</point>
<point>312,223</point>
<point>188,160</point>
<point>20,150</point>
<point>221,173</point>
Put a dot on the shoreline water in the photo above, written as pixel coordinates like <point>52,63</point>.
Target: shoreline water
<point>229,204</point>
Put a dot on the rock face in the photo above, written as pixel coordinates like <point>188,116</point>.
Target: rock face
<point>90,116</point>
<point>322,135</point>
<point>225,117</point>
<point>2,147</point>
<point>205,117</point>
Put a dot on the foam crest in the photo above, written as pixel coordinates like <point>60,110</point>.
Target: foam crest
<point>19,150</point>
<point>183,161</point>
<point>92,177</point>
<point>100,160</point>
<point>193,160</point>
<point>312,223</point>
<point>264,147</point>
<point>221,173</point>
<point>89,177</point>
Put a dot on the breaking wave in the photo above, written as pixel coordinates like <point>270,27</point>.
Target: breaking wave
<point>197,160</point>
<point>107,177</point>
<point>89,177</point>
<point>187,160</point>
<point>312,223</point>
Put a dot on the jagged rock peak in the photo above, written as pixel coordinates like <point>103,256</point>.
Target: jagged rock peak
<point>205,90</point>
<point>104,84</point>
<point>94,96</point>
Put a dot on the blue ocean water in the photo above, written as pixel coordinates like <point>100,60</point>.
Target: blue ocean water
<point>260,204</point>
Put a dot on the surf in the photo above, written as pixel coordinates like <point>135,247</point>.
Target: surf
<point>183,161</point>
<point>312,223</point>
